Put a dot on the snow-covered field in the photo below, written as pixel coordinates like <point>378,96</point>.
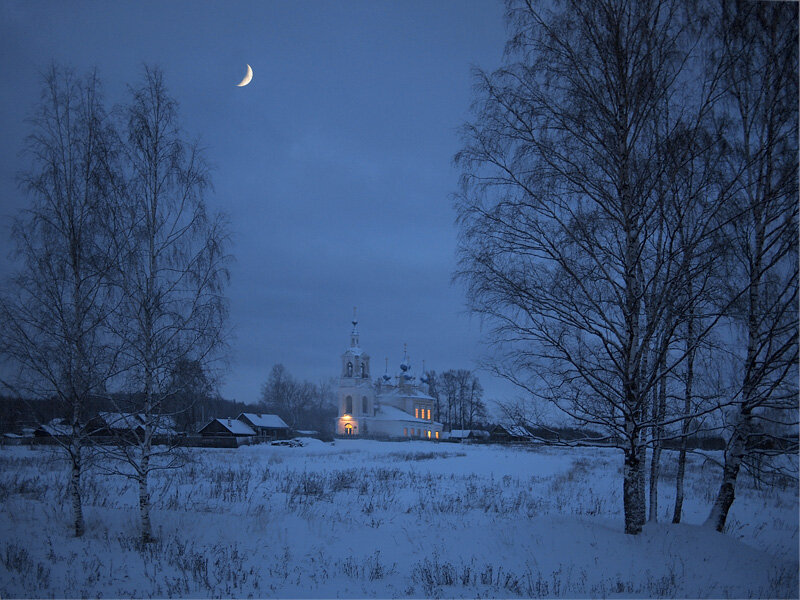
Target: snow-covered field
<point>363,518</point>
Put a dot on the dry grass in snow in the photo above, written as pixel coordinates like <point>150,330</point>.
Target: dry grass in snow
<point>370,519</point>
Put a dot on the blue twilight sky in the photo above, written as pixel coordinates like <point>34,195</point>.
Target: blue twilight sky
<point>334,164</point>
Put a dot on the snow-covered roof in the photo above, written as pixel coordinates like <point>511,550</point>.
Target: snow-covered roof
<point>161,424</point>
<point>268,421</point>
<point>391,413</point>
<point>235,426</point>
<point>117,420</point>
<point>460,433</point>
<point>518,431</point>
<point>515,430</point>
<point>164,428</point>
<point>56,427</point>
<point>399,392</point>
<point>465,433</point>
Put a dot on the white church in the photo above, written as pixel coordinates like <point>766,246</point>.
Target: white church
<point>390,407</point>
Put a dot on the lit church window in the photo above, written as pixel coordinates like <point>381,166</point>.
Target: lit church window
<point>429,414</point>
<point>416,413</point>
<point>429,434</point>
<point>437,435</point>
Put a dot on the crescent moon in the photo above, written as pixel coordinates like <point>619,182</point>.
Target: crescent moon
<point>247,78</point>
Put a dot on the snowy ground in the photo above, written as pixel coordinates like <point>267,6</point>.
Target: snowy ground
<point>371,519</point>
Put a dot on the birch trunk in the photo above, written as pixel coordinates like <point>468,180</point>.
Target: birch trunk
<point>144,499</point>
<point>633,491</point>
<point>686,425</point>
<point>733,462</point>
<point>659,410</point>
<point>75,493</point>
<point>737,446</point>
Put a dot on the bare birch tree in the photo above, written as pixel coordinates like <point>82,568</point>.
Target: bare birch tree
<point>566,221</point>
<point>172,273</point>
<point>55,311</point>
<point>761,59</point>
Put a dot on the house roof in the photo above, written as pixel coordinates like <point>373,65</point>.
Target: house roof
<point>56,427</point>
<point>117,420</point>
<point>465,433</point>
<point>268,421</point>
<point>518,431</point>
<point>460,433</point>
<point>235,426</point>
<point>161,424</point>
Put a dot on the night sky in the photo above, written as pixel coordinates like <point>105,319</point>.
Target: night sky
<point>334,164</point>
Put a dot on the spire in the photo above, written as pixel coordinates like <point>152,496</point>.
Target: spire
<point>386,371</point>
<point>354,333</point>
<point>405,365</point>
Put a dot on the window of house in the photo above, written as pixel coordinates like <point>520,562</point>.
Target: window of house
<point>348,405</point>
<point>364,408</point>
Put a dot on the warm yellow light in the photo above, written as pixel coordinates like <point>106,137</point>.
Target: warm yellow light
<point>429,434</point>
<point>437,435</point>
<point>416,413</point>
<point>429,414</point>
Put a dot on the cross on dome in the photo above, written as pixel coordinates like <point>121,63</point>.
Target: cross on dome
<point>354,333</point>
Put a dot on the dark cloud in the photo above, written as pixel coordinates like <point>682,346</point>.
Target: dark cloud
<point>334,164</point>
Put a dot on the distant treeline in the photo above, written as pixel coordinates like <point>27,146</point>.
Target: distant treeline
<point>18,413</point>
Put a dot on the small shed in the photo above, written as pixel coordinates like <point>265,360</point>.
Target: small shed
<point>509,433</point>
<point>468,435</point>
<point>131,425</point>
<point>127,425</point>
<point>227,427</point>
<point>266,426</point>
<point>54,428</point>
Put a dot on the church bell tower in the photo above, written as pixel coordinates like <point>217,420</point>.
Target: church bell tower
<point>356,392</point>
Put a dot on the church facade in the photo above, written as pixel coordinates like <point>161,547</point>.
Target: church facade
<point>388,407</point>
